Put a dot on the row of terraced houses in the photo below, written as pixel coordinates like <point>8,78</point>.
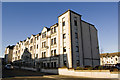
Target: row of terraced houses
<point>71,42</point>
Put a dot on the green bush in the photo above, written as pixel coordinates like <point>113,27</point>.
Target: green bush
<point>90,68</point>
<point>64,67</point>
<point>101,68</point>
<point>79,68</point>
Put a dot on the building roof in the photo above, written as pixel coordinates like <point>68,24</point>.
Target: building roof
<point>70,11</point>
<point>48,29</point>
<point>89,24</point>
<point>11,47</point>
<point>110,54</point>
<point>54,24</point>
<point>39,33</point>
<point>24,40</point>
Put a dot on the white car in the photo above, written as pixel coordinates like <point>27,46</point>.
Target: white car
<point>8,66</point>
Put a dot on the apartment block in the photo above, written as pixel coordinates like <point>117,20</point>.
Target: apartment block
<point>71,42</point>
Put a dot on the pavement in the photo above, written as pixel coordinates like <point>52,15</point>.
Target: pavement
<point>18,74</point>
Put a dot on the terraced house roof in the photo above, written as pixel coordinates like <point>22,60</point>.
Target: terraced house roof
<point>110,54</point>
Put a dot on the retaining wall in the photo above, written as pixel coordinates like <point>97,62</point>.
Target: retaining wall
<point>88,73</point>
<point>54,71</point>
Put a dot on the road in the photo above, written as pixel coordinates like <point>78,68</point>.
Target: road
<point>18,74</point>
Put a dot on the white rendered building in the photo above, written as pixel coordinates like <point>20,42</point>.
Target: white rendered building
<point>71,42</point>
<point>109,59</point>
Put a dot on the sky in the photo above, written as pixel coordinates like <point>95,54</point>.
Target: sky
<point>22,19</point>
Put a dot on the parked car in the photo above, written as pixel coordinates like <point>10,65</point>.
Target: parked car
<point>9,67</point>
<point>115,68</point>
<point>118,66</point>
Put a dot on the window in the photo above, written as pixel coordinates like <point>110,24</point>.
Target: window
<point>18,57</point>
<point>19,51</point>
<point>37,37</point>
<point>52,53</point>
<point>54,40</point>
<point>65,63</point>
<point>48,65</point>
<point>19,45</point>
<point>43,44</point>
<point>64,49</point>
<point>116,59</point>
<point>54,64</point>
<point>111,61</point>
<point>75,22</point>
<point>64,36</point>
<point>54,29</point>
<point>55,52</point>
<point>77,48</point>
<point>76,35</point>
<point>43,34</point>
<point>15,58</point>
<point>31,40</point>
<point>44,65</point>
<point>36,55</point>
<point>111,57</point>
<point>78,63</point>
<point>102,61</point>
<point>44,54</point>
<point>27,43</point>
<point>37,46</point>
<point>34,46</point>
<point>41,64</point>
<point>63,23</point>
<point>31,48</point>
